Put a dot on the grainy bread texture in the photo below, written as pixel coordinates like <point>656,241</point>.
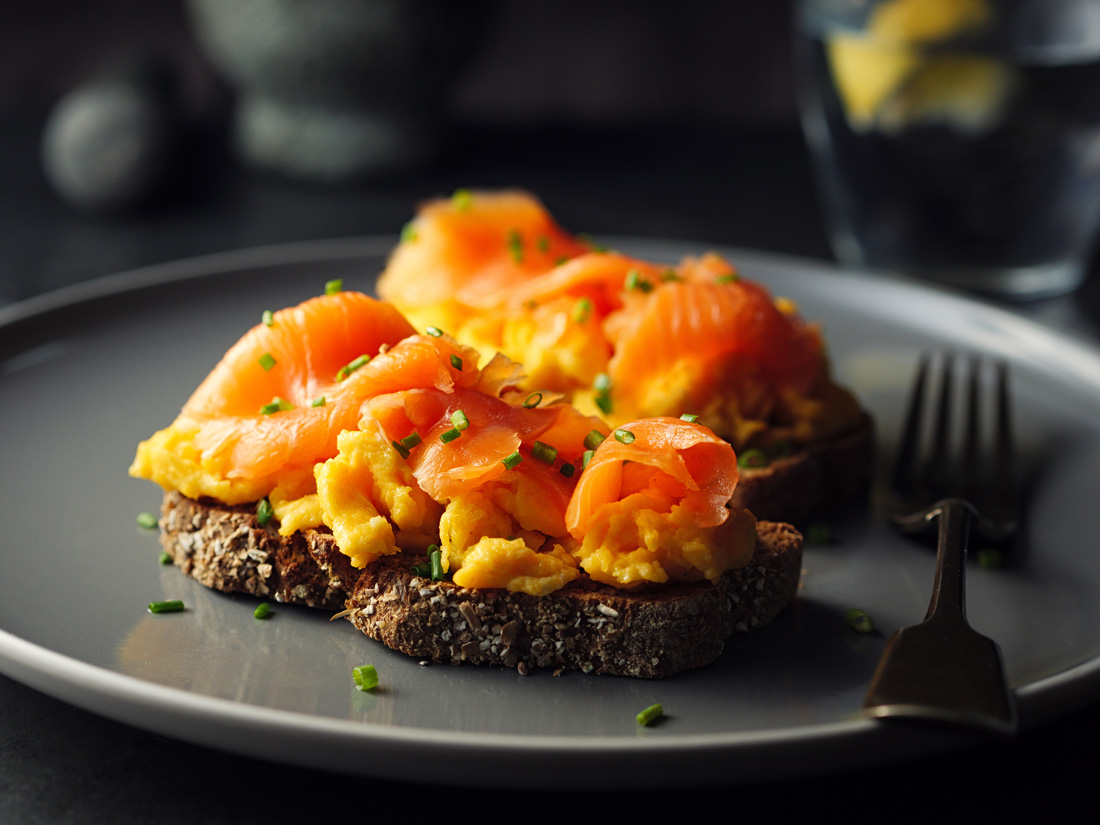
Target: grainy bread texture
<point>790,489</point>
<point>647,632</point>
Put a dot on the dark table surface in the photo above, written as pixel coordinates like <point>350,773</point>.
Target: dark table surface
<point>721,186</point>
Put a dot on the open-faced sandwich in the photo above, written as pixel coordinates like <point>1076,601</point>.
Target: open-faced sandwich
<point>339,457</point>
<point>625,338</point>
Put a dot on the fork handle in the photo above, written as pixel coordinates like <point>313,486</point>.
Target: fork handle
<point>948,589</point>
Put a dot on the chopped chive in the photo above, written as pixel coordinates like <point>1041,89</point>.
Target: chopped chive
<point>459,419</point>
<point>515,245</point>
<point>510,461</point>
<point>604,402</point>
<point>581,310</point>
<point>334,286</point>
<point>424,569</point>
<point>450,435</point>
<point>691,418</point>
<point>602,382</point>
<point>530,303</point>
<point>859,620</point>
<point>544,452</point>
<point>408,232</point>
<point>462,200</point>
<point>435,332</point>
<point>165,557</point>
<point>411,440</point>
<point>276,404</point>
<point>533,400</point>
<point>456,362</point>
<point>586,456</point>
<point>262,611</point>
<point>634,280</point>
<point>267,361</point>
<point>319,401</point>
<point>267,318</point>
<point>264,512</point>
<point>593,440</point>
<point>728,278</point>
<point>349,368</point>
<point>402,450</point>
<point>752,458</point>
<point>670,275</point>
<point>624,436</point>
<point>650,715</point>
<point>169,606</point>
<point>147,520</point>
<point>543,243</point>
<point>365,676</point>
<point>435,563</point>
<point>567,470</point>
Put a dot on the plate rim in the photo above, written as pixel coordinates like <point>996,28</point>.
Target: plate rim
<point>55,673</point>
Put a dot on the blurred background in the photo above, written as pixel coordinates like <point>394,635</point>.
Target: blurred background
<point>570,99</point>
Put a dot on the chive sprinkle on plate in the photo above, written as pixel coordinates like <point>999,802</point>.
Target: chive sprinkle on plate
<point>169,606</point>
<point>650,715</point>
<point>365,676</point>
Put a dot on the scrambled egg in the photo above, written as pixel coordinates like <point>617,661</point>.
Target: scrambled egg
<point>365,488</point>
<point>171,459</point>
<point>499,536</point>
<point>558,342</point>
<point>635,540</point>
<point>502,534</point>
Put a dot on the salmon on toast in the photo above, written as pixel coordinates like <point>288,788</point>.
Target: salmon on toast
<point>625,338</point>
<point>339,456</point>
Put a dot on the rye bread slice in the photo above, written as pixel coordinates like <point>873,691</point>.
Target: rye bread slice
<point>649,632</point>
<point>824,474</point>
<point>224,548</point>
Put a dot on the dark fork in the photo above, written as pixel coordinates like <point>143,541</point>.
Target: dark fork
<point>942,670</point>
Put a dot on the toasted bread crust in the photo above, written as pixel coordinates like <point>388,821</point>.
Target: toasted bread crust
<point>224,548</point>
<point>824,474</point>
<point>647,632</point>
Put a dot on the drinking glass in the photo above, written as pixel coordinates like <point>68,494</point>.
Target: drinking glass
<point>956,140</point>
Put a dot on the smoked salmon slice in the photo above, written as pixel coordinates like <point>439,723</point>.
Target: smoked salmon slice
<point>279,398</point>
<point>714,330</point>
<point>651,506</point>
<point>464,439</point>
<point>676,461</point>
<point>472,247</point>
<point>617,335</point>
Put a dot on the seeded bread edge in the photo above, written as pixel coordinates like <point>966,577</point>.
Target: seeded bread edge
<point>823,475</point>
<point>650,632</point>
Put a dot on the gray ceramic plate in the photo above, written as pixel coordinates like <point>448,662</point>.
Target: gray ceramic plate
<point>86,373</point>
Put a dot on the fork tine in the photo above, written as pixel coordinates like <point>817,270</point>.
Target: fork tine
<point>970,472</point>
<point>938,471</point>
<point>905,464</point>
<point>1005,460</point>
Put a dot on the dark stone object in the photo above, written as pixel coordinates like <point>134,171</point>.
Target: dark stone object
<point>333,90</point>
<point>109,144</point>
